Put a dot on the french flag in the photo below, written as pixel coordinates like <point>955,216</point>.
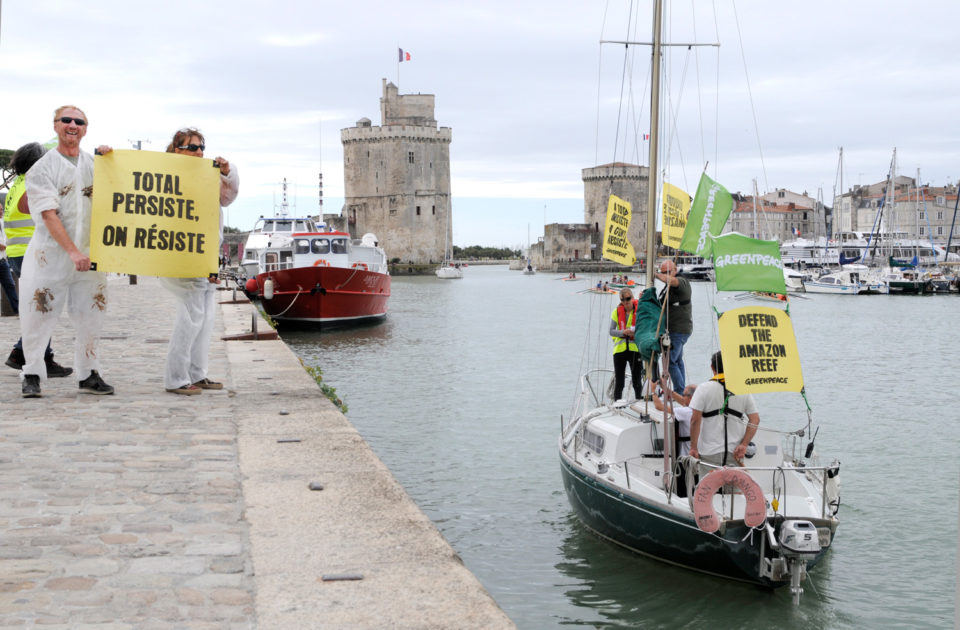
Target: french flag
<point>404,56</point>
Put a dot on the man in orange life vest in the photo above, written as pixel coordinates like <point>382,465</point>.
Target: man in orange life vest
<point>622,329</point>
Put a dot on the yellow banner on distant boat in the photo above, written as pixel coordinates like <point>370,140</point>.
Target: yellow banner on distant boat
<point>155,214</point>
<point>676,208</point>
<point>759,351</point>
<point>616,245</point>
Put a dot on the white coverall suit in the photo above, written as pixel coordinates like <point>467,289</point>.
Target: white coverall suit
<point>188,352</point>
<point>50,279</point>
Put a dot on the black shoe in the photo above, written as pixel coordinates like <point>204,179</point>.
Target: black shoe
<point>93,384</point>
<point>55,370</point>
<point>16,360</point>
<point>31,386</point>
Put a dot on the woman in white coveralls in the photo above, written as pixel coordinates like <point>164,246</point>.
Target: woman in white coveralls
<point>188,353</point>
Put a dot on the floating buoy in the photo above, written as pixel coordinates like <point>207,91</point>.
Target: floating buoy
<point>251,286</point>
<point>268,289</point>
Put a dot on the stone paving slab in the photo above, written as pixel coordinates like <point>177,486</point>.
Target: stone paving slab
<point>151,510</point>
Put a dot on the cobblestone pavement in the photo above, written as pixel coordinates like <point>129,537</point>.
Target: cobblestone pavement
<point>122,511</point>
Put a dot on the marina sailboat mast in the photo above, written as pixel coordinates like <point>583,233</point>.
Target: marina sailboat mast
<point>651,245</point>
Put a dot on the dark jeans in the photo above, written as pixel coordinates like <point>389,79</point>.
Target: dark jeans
<point>9,286</point>
<point>15,266</point>
<point>620,362</point>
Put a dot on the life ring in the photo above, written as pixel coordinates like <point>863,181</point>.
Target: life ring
<point>361,265</point>
<point>320,262</point>
<point>755,512</point>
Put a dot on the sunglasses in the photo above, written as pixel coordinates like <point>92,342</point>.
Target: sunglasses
<point>193,147</point>
<point>629,299</point>
<point>67,120</point>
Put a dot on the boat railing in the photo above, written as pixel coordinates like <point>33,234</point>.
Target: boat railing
<point>278,266</point>
<point>821,476</point>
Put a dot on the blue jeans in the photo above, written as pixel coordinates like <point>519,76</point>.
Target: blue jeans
<point>678,372</point>
<point>9,286</point>
<point>16,266</point>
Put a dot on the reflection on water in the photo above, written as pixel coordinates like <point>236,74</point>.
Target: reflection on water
<point>460,392</point>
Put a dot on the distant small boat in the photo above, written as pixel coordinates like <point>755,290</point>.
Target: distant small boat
<point>695,268</point>
<point>450,271</point>
<point>847,281</point>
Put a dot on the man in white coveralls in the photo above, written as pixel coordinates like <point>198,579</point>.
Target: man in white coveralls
<point>56,267</point>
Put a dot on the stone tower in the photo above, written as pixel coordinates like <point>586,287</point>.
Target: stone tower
<point>397,178</point>
<point>627,181</point>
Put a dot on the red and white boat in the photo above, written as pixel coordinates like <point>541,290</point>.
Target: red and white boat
<point>303,272</point>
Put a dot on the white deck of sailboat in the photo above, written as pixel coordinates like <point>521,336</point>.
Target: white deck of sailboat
<point>636,469</point>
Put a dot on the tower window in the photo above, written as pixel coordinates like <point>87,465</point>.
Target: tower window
<point>410,157</point>
<point>418,211</point>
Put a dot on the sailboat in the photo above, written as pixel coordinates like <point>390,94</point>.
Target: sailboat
<point>448,269</point>
<point>529,270</point>
<point>767,522</point>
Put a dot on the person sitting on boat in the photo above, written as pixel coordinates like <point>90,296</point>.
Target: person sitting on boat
<point>623,323</point>
<point>679,318</point>
<point>681,412</point>
<point>715,437</point>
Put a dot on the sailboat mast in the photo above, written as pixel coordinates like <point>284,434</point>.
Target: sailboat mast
<point>652,178</point>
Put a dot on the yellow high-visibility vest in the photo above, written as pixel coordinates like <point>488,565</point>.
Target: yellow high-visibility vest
<point>17,225</point>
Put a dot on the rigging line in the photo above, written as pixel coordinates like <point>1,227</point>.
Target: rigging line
<point>716,104</point>
<point>631,107</point>
<point>753,109</point>
<point>596,139</point>
<point>623,80</point>
<point>696,63</point>
<point>674,133</point>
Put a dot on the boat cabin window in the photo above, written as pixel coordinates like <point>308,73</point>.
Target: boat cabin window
<point>270,258</point>
<point>594,441</point>
<point>286,257</point>
<point>339,246</point>
<point>303,246</point>
<point>321,246</point>
<point>283,226</point>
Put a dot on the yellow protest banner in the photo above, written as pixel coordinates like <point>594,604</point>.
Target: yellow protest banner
<point>759,351</point>
<point>676,207</point>
<point>616,246</point>
<point>155,214</point>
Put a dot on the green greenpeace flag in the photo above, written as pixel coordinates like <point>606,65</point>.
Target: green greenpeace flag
<point>742,263</point>
<point>708,214</point>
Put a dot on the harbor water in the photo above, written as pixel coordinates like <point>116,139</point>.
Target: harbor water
<point>460,392</point>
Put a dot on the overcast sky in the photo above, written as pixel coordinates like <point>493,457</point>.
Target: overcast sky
<point>530,93</point>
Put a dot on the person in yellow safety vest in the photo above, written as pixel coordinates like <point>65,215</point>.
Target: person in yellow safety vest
<point>622,329</point>
<point>6,278</point>
<point>19,227</point>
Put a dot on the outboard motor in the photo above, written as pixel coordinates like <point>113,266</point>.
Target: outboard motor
<point>799,543</point>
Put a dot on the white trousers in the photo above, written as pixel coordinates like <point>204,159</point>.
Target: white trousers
<point>189,349</point>
<point>42,301</point>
